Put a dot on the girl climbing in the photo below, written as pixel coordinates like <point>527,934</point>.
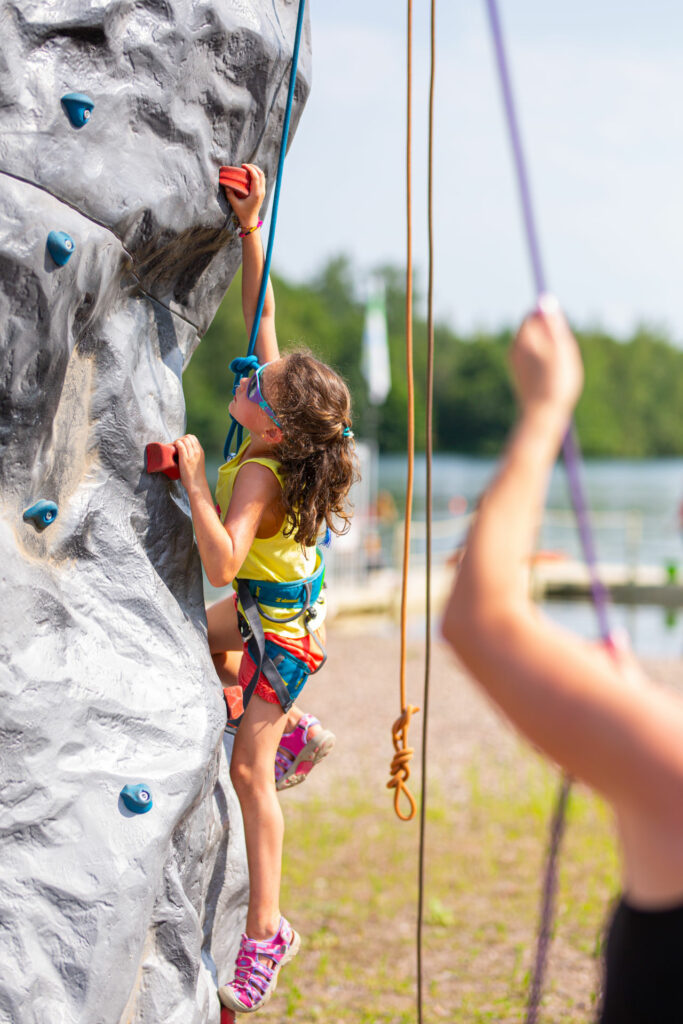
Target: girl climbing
<point>287,483</point>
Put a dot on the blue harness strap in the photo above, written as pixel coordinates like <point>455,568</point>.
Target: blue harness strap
<point>286,673</point>
<point>298,594</point>
<point>256,645</point>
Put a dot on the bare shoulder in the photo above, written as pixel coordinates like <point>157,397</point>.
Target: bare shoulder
<point>258,480</point>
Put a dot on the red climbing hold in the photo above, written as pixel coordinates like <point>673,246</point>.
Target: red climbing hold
<point>236,178</point>
<point>227,1016</point>
<point>163,458</point>
<point>233,698</point>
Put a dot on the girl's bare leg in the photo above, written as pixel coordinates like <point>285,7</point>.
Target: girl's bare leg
<point>225,644</point>
<point>251,771</point>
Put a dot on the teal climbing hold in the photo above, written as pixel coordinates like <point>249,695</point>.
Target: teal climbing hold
<point>61,247</point>
<point>137,799</point>
<point>42,514</point>
<point>78,107</point>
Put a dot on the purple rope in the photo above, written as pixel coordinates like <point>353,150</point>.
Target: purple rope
<point>518,152</point>
<point>570,447</point>
<point>548,895</point>
<point>572,461</point>
<point>572,464</point>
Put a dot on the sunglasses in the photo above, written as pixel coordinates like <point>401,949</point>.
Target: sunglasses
<point>255,395</point>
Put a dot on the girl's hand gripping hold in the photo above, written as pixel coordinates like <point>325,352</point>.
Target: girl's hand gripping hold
<point>191,463</point>
<point>247,209</point>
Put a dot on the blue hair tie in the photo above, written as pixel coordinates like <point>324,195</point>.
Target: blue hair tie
<point>347,432</point>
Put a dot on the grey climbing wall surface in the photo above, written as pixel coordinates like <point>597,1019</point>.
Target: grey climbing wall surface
<point>106,915</point>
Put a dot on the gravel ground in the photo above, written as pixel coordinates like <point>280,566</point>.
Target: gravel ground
<point>356,695</point>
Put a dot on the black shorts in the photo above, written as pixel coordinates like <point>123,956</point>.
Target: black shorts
<point>644,967</point>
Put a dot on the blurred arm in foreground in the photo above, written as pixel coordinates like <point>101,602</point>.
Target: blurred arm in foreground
<point>587,706</point>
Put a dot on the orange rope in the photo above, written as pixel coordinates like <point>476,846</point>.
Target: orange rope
<point>429,429</point>
<point>400,772</point>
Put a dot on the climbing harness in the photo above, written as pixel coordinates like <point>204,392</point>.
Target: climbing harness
<point>572,461</point>
<point>400,770</point>
<point>285,672</point>
<point>238,371</point>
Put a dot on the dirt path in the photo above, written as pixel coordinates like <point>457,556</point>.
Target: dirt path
<point>350,868</point>
<point>356,695</point>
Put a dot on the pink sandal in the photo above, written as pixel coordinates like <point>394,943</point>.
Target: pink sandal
<point>297,753</point>
<point>257,967</point>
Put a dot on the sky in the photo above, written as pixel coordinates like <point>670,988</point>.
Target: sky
<point>599,92</point>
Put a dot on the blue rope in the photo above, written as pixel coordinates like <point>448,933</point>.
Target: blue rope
<point>234,426</point>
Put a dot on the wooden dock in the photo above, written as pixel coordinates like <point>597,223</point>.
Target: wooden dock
<point>626,585</point>
<point>379,592</point>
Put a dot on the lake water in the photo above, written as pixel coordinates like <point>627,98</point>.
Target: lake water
<point>650,490</point>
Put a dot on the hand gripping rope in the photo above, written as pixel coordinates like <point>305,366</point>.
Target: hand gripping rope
<point>572,461</point>
<point>237,365</point>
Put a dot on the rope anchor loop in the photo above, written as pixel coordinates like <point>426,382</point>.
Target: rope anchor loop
<point>400,770</point>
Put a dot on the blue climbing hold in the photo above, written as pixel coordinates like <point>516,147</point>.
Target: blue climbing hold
<point>137,799</point>
<point>61,247</point>
<point>42,514</point>
<point>78,107</point>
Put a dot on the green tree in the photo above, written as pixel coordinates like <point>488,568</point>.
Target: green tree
<point>632,404</point>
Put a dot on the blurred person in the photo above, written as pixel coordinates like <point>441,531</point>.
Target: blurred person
<point>587,706</point>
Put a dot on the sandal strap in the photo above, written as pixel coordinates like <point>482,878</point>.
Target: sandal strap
<point>305,723</point>
<point>283,760</point>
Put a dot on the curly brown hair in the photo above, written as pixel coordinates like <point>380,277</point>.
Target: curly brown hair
<point>313,406</point>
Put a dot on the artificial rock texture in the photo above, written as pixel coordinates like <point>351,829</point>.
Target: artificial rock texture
<point>106,916</point>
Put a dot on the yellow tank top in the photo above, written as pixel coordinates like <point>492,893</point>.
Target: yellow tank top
<point>277,558</point>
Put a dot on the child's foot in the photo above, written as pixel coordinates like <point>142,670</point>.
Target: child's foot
<point>300,750</point>
<point>257,967</point>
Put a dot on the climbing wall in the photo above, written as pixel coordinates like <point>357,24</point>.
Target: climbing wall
<point>122,872</point>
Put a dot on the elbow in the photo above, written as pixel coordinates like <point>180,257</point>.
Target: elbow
<point>471,625</point>
<point>459,626</point>
<point>457,620</point>
<point>219,576</point>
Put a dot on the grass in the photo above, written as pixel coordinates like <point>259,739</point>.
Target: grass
<point>349,886</point>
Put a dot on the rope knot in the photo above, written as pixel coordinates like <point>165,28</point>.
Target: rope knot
<point>240,366</point>
<point>400,770</point>
<point>243,365</point>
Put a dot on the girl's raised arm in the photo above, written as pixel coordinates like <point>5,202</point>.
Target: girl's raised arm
<point>253,260</point>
